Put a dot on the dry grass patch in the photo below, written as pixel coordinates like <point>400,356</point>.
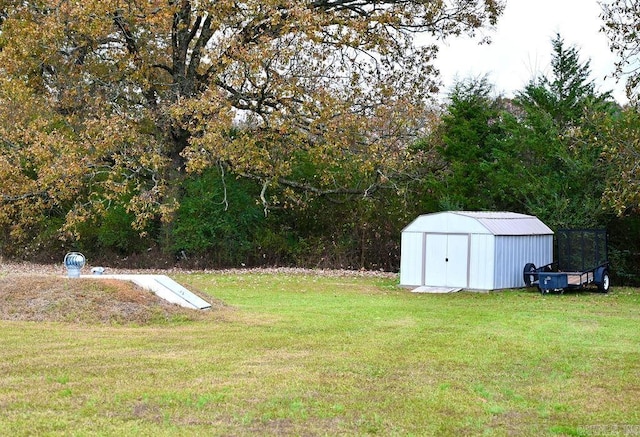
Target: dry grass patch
<point>86,300</point>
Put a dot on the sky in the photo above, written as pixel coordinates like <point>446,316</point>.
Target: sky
<point>521,46</point>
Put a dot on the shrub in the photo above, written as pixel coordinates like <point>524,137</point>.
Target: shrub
<point>219,217</point>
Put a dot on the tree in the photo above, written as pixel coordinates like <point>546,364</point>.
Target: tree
<point>621,135</point>
<point>620,139</point>
<point>567,92</point>
<point>537,154</point>
<point>621,20</point>
<point>119,98</point>
<point>564,154</point>
<point>476,148</point>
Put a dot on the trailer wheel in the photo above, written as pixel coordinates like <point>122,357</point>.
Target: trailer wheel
<point>604,285</point>
<point>528,274</point>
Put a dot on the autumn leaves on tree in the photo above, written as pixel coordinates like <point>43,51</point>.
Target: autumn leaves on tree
<point>111,102</point>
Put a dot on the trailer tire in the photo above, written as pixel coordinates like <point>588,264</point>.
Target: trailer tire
<point>605,283</point>
<point>529,274</point>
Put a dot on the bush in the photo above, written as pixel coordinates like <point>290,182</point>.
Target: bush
<point>218,217</point>
<point>624,250</point>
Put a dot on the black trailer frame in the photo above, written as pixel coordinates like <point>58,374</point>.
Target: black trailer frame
<point>582,260</point>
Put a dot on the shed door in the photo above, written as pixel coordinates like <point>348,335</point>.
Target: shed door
<point>446,260</point>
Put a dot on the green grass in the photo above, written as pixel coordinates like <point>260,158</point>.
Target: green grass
<point>306,355</point>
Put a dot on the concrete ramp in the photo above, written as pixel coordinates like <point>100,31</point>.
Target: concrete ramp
<point>426,289</point>
<point>163,287</point>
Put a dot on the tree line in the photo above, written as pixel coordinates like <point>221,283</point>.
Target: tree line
<point>301,133</point>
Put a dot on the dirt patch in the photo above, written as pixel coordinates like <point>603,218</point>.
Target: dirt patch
<point>87,300</point>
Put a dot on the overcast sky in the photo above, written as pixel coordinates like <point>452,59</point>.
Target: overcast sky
<point>521,46</point>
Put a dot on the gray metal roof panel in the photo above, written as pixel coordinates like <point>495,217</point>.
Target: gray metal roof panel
<point>508,223</point>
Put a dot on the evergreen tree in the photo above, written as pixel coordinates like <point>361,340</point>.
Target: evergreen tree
<point>561,143</point>
<point>475,144</point>
<point>566,94</point>
<point>536,154</point>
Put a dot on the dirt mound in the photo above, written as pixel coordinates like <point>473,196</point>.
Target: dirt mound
<point>87,301</point>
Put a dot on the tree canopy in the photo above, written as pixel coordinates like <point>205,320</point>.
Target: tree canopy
<point>568,91</point>
<point>111,101</point>
<point>539,153</point>
<point>621,20</point>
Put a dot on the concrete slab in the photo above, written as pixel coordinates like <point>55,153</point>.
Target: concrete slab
<point>426,289</point>
<point>163,287</point>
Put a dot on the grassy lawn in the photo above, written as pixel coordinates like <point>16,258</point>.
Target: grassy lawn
<point>311,355</point>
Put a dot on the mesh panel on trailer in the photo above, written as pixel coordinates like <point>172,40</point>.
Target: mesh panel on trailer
<point>581,249</point>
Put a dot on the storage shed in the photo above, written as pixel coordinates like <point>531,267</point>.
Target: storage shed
<point>472,250</point>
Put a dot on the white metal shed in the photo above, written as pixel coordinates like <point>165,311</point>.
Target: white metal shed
<point>472,250</point>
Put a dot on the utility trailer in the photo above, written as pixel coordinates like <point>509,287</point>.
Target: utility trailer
<point>581,261</point>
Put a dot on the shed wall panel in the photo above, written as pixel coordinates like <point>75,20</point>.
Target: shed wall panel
<point>411,258</point>
<point>513,252</point>
<point>445,222</point>
<point>459,224</point>
<point>428,223</point>
<point>481,265</point>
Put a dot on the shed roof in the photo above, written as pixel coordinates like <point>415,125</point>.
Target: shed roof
<point>496,223</point>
